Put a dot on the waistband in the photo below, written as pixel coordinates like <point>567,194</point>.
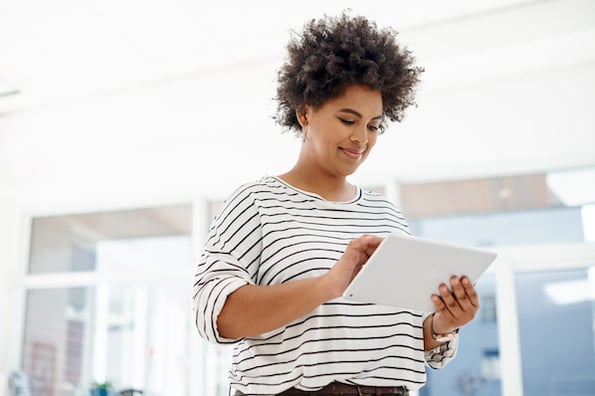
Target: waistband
<point>337,388</point>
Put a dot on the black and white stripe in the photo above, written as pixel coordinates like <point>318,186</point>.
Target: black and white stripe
<point>268,233</point>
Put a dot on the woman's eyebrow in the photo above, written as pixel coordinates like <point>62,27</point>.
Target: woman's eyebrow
<point>356,113</point>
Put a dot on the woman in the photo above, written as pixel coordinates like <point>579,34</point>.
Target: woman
<point>282,249</point>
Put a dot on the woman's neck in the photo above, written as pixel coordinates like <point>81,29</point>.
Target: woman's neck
<point>336,189</point>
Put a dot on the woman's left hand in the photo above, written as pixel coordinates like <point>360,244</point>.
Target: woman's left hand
<point>456,306</point>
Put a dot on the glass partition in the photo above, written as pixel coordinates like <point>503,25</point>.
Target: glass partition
<point>555,307</point>
<point>132,335</point>
<point>557,331</point>
<point>69,243</point>
<point>111,302</point>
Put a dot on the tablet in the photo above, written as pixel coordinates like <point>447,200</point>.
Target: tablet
<point>404,271</point>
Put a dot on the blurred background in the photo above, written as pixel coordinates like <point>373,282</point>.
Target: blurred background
<point>124,124</point>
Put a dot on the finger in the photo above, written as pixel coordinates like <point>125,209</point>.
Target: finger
<point>449,300</point>
<point>470,291</point>
<point>460,294</point>
<point>371,241</point>
<point>457,289</point>
<point>447,316</point>
<point>360,249</point>
<point>438,303</point>
<point>367,244</point>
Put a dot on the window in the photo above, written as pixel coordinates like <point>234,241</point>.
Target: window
<point>557,322</point>
<point>541,225</point>
<point>133,335</point>
<point>108,299</point>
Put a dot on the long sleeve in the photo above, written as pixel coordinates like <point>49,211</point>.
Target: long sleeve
<point>230,260</point>
<point>440,356</point>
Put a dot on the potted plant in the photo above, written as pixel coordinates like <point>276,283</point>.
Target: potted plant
<point>100,388</point>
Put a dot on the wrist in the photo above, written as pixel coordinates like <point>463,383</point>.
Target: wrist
<point>439,335</point>
<point>328,288</point>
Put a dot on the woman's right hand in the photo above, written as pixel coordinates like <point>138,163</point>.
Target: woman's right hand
<point>356,255</point>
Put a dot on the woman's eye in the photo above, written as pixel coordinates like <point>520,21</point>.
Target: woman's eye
<point>374,128</point>
<point>346,122</point>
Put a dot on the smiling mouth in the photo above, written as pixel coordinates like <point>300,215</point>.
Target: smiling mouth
<point>355,154</point>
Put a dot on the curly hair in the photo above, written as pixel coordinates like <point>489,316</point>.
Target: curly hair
<point>333,52</point>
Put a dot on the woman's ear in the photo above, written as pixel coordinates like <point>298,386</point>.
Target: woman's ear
<point>302,115</point>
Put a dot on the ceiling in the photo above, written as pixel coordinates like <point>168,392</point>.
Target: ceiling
<point>508,87</point>
<point>60,50</point>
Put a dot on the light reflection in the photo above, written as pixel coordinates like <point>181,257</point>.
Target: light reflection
<point>572,292</point>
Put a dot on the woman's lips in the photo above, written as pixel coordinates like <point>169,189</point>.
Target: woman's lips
<point>352,153</point>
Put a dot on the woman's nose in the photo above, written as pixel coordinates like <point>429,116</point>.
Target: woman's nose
<point>360,137</point>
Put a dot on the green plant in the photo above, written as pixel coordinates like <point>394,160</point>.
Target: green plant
<point>101,385</point>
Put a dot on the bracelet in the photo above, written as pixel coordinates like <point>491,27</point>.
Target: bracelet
<point>441,337</point>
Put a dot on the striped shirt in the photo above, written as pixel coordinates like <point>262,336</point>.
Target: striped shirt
<point>268,232</point>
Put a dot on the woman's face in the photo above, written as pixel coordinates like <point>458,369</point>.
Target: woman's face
<point>338,136</point>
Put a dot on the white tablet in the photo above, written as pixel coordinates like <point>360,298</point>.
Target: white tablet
<point>405,271</point>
